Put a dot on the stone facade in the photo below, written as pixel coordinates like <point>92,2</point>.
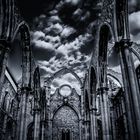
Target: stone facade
<point>107,106</point>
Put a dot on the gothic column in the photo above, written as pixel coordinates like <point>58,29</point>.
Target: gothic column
<point>4,52</point>
<point>93,119</point>
<point>87,129</point>
<point>124,117</point>
<point>82,113</point>
<point>23,108</point>
<point>36,124</point>
<point>103,91</point>
<point>43,130</point>
<point>48,114</point>
<point>132,95</point>
<point>26,88</point>
<point>113,120</point>
<point>43,115</point>
<point>80,129</point>
<point>82,102</point>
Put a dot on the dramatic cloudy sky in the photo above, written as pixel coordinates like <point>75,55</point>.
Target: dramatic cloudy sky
<point>61,35</point>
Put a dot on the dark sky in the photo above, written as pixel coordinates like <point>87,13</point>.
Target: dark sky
<point>32,8</point>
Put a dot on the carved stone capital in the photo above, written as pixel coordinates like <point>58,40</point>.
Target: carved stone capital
<point>124,43</point>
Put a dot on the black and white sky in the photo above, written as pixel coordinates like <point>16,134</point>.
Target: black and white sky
<point>62,36</point>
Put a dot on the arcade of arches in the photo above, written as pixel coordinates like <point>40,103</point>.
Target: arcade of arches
<point>104,105</point>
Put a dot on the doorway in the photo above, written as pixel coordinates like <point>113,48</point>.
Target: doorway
<point>65,134</point>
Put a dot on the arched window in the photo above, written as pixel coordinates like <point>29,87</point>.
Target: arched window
<point>87,107</point>
<point>92,81</point>
<point>105,35</point>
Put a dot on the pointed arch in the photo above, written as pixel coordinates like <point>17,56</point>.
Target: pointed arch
<point>115,78</point>
<point>65,71</point>
<point>20,26</point>
<point>68,105</point>
<point>135,52</point>
<point>36,78</point>
<point>105,33</point>
<point>92,79</point>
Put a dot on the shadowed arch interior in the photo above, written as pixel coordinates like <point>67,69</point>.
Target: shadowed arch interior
<point>104,37</point>
<point>103,42</point>
<point>93,80</point>
<point>65,119</point>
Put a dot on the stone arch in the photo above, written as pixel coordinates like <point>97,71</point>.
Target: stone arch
<point>113,77</point>
<point>65,118</point>
<point>72,107</point>
<point>135,53</point>
<point>105,32</point>
<point>92,78</point>
<point>66,70</point>
<point>36,81</point>
<point>92,82</point>
<point>21,25</point>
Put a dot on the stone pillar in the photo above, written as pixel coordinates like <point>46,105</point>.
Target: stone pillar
<point>124,117</point>
<point>93,120</point>
<point>22,120</point>
<point>132,95</point>
<point>43,130</point>
<point>37,124</point>
<point>105,114</point>
<point>48,112</point>
<point>4,52</point>
<point>113,120</point>
<point>50,130</point>
<point>91,125</point>
<point>4,127</point>
<point>87,128</point>
<point>82,102</point>
<point>80,129</point>
<point>82,114</point>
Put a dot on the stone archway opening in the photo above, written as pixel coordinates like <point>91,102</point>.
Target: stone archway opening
<point>65,124</point>
<point>104,37</point>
